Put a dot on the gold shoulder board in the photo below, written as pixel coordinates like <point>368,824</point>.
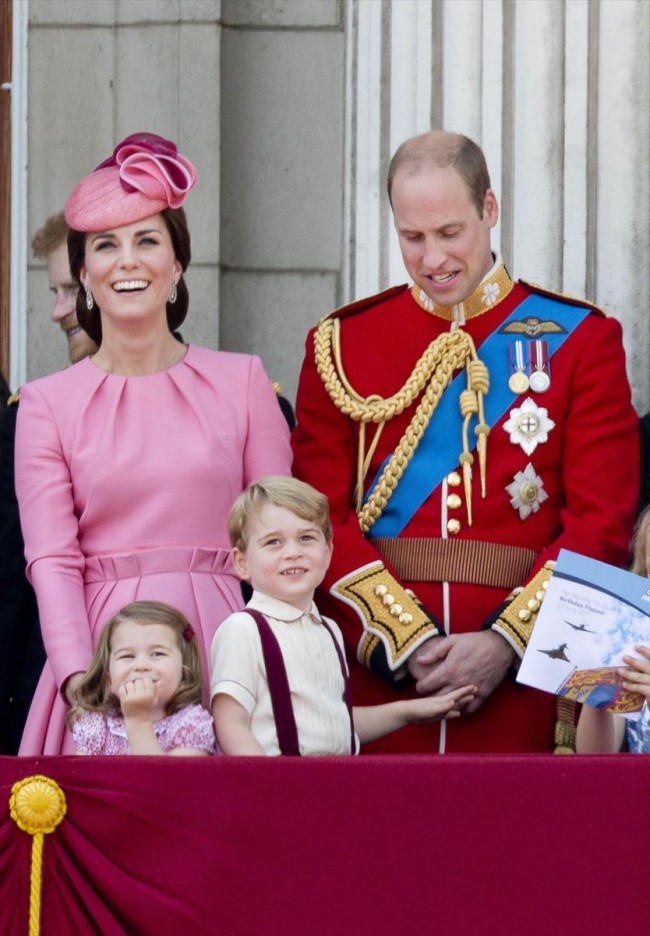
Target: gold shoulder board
<point>362,304</point>
<point>563,297</point>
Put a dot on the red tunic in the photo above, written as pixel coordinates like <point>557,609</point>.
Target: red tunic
<point>588,466</point>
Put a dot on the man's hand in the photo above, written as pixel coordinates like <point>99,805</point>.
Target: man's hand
<point>443,664</point>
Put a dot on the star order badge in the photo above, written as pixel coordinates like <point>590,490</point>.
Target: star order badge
<point>526,492</point>
<point>528,425</point>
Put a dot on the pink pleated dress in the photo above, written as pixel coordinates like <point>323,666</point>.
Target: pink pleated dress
<point>124,486</point>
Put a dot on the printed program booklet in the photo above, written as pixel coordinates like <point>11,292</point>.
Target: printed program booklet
<point>592,615</point>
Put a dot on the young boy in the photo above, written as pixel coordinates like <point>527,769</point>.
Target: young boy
<point>281,536</point>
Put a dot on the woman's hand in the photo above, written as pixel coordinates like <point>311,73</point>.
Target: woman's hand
<point>71,686</point>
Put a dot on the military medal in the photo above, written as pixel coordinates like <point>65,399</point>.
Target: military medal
<point>518,382</point>
<point>539,366</point>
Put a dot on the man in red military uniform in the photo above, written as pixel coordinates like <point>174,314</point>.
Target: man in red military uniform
<point>464,430</point>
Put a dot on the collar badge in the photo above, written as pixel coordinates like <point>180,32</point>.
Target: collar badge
<point>491,293</point>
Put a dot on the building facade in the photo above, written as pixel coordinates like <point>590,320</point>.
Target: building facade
<point>291,110</point>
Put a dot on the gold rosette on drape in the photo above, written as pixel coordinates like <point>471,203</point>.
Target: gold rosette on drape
<point>37,806</point>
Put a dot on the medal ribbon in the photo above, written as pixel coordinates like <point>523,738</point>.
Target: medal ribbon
<point>518,364</point>
<point>539,355</point>
<point>434,458</point>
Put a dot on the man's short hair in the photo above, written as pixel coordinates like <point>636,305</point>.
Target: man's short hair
<point>53,233</point>
<point>297,496</point>
<point>439,149</point>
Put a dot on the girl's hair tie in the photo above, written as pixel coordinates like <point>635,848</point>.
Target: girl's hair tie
<point>188,633</point>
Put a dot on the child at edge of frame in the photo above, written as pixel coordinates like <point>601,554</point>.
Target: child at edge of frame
<point>600,731</point>
<point>279,677</point>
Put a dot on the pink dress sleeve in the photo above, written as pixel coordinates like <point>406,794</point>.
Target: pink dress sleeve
<point>267,450</point>
<point>55,563</point>
<point>190,727</point>
<point>90,733</point>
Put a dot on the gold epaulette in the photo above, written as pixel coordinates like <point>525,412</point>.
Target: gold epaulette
<point>389,614</point>
<point>563,297</point>
<point>516,621</point>
<point>362,304</point>
<point>14,398</point>
<point>277,388</point>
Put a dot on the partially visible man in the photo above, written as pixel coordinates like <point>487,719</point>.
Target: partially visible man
<point>464,430</point>
<point>21,648</point>
<point>50,243</point>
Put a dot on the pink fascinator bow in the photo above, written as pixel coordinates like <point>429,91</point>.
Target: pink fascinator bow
<point>144,175</point>
<point>150,164</point>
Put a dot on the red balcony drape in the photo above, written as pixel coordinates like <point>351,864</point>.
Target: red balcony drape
<point>454,845</point>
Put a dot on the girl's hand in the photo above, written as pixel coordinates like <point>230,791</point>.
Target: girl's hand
<point>449,705</point>
<point>636,675</point>
<point>138,698</point>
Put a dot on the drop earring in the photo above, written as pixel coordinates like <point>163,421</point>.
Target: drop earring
<point>173,293</point>
<point>90,302</point>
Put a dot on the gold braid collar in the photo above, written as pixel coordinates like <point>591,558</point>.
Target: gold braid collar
<point>430,378</point>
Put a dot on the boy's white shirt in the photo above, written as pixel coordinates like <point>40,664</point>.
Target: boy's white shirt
<point>313,671</point>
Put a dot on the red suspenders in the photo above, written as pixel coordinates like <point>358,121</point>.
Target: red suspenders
<point>276,675</point>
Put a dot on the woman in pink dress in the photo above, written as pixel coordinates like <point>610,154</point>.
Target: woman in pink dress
<point>128,462</point>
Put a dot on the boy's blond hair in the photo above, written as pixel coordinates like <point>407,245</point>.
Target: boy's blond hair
<point>300,498</point>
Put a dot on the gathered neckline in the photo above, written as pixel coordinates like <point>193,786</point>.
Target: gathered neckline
<point>165,370</point>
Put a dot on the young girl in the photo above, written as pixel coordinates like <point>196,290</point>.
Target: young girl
<point>600,732</point>
<point>279,676</point>
<point>142,691</point>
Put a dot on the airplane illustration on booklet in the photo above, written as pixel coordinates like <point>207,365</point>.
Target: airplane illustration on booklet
<point>557,653</point>
<point>580,627</point>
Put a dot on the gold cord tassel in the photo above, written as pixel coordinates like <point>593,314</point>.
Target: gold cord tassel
<point>565,726</point>
<point>466,459</point>
<point>468,408</point>
<point>358,494</point>
<point>429,379</point>
<point>37,806</point>
<point>478,379</point>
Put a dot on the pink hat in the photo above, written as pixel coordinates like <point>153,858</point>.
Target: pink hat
<point>144,175</point>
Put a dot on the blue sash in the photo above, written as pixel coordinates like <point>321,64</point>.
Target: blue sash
<point>435,458</point>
